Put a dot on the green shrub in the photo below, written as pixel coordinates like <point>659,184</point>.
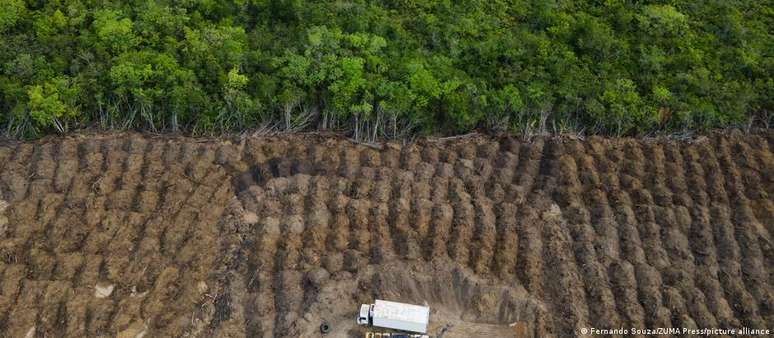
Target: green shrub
<point>367,67</point>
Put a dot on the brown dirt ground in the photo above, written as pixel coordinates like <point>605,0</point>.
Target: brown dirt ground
<point>129,235</point>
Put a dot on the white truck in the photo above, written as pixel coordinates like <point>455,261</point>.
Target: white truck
<point>394,315</point>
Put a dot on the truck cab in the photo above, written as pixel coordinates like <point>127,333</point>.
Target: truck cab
<point>364,318</point>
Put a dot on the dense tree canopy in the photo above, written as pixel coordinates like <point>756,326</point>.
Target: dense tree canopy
<point>379,68</point>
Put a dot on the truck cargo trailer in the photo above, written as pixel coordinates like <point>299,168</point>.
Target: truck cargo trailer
<point>394,315</point>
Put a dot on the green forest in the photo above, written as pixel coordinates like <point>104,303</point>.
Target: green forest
<point>385,69</point>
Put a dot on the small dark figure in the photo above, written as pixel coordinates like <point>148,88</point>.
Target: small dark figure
<point>325,328</point>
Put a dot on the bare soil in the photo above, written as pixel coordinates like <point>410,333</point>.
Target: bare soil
<point>133,235</point>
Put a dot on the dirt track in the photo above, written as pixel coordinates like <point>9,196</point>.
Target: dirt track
<point>123,234</point>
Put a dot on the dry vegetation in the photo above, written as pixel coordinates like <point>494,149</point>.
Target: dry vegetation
<point>121,234</point>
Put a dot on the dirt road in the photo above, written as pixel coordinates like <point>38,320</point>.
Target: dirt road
<point>129,235</point>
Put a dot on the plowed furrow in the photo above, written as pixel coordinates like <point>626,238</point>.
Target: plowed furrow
<point>563,282</point>
<point>623,273</point>
<point>680,276</point>
<point>703,245</point>
<point>729,251</point>
<point>649,276</point>
<point>593,272</point>
<point>746,232</point>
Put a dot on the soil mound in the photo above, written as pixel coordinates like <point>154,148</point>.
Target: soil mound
<point>130,235</point>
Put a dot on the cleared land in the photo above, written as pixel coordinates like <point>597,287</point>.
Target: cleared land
<point>125,234</point>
